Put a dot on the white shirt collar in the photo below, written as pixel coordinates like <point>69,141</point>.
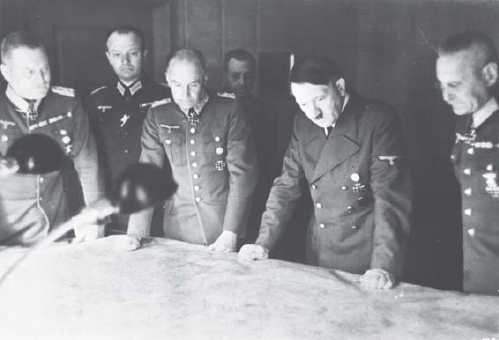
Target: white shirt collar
<point>484,112</point>
<point>21,104</point>
<point>135,86</point>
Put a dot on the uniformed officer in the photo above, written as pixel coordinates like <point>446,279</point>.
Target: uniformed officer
<point>239,77</point>
<point>33,204</point>
<point>207,141</point>
<point>348,149</point>
<point>466,70</point>
<point>117,110</point>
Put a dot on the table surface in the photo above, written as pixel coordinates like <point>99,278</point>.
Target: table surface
<point>174,290</point>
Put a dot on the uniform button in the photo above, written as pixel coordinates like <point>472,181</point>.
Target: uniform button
<point>193,141</point>
<point>217,139</point>
<point>349,209</point>
<point>193,130</point>
<point>314,186</point>
<point>196,187</point>
<point>126,150</point>
<point>5,138</point>
<point>471,232</point>
<point>168,141</point>
<point>452,157</point>
<point>489,167</point>
<point>40,199</point>
<point>41,180</point>
<point>195,176</point>
<point>467,172</point>
<point>193,153</point>
<point>322,226</point>
<point>194,165</point>
<point>467,191</point>
<point>467,211</point>
<point>318,205</point>
<point>344,188</point>
<point>354,227</point>
<point>198,199</point>
<point>471,151</point>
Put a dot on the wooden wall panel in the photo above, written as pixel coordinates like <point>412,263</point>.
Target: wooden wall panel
<point>204,32</point>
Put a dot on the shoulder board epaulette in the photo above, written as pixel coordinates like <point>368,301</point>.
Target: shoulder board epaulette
<point>161,102</point>
<point>226,95</point>
<point>98,89</point>
<point>64,91</point>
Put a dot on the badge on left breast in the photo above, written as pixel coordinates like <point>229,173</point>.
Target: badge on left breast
<point>491,186</point>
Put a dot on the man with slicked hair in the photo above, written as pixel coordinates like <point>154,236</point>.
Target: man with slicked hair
<point>466,70</point>
<point>348,149</point>
<point>206,139</point>
<point>31,205</point>
<point>117,110</point>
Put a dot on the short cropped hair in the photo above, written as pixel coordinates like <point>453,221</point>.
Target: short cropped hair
<point>19,39</point>
<point>241,55</point>
<point>188,54</point>
<point>125,30</point>
<point>316,70</point>
<point>470,40</point>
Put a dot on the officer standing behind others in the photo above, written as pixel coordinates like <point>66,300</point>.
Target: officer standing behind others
<point>207,141</point>
<point>239,77</point>
<point>467,72</point>
<point>117,110</point>
<point>349,151</point>
<point>31,205</point>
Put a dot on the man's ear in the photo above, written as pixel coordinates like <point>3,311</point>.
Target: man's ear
<point>108,56</point>
<point>144,54</point>
<point>205,78</point>
<point>340,85</point>
<point>5,72</point>
<point>489,73</point>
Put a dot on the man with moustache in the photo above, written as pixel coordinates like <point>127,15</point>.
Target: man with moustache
<point>206,139</point>
<point>348,149</point>
<point>466,69</point>
<point>117,110</point>
<point>31,205</point>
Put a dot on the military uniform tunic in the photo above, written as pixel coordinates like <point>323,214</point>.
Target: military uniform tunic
<point>476,161</point>
<point>30,205</point>
<point>117,122</point>
<point>361,194</point>
<point>214,162</point>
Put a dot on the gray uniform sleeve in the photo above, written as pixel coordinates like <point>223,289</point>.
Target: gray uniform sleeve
<point>152,152</point>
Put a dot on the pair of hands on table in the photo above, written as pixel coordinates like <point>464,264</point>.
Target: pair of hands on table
<point>375,278</point>
<point>225,243</point>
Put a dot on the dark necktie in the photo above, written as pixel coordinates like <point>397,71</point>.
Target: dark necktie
<point>32,113</point>
<point>329,130</point>
<point>193,117</point>
<point>127,94</point>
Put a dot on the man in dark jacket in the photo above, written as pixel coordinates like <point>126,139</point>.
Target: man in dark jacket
<point>206,139</point>
<point>117,110</point>
<point>349,151</point>
<point>467,73</point>
<point>239,76</point>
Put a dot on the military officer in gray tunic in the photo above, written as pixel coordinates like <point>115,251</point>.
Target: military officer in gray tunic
<point>349,150</point>
<point>206,139</point>
<point>466,70</point>
<point>32,205</point>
